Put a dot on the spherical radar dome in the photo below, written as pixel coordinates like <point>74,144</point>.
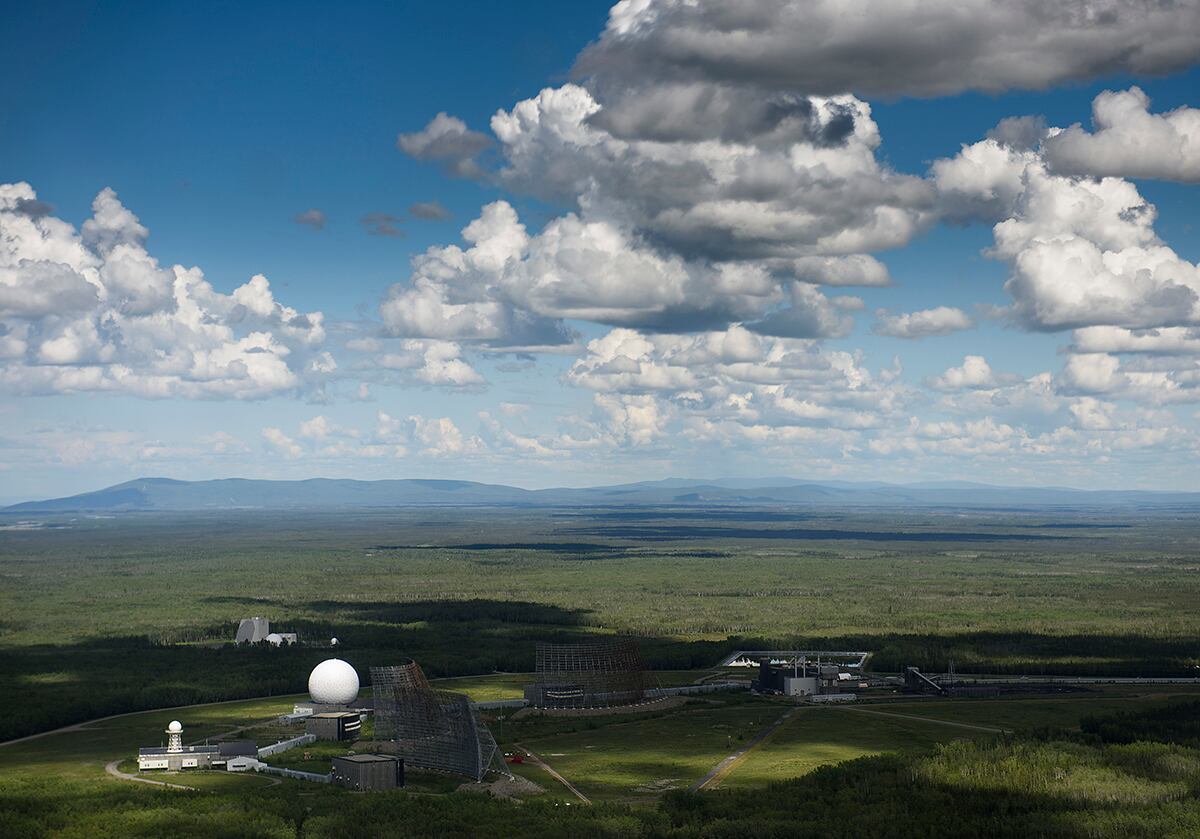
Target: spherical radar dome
<point>333,682</point>
<point>174,726</point>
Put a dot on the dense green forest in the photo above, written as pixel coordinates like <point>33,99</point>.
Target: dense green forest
<point>1099,782</point>
<point>107,615</point>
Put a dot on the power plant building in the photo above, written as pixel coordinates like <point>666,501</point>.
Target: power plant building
<point>801,677</point>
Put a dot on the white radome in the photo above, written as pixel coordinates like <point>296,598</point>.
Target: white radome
<point>333,682</point>
<point>274,639</point>
<point>333,642</point>
<point>174,726</point>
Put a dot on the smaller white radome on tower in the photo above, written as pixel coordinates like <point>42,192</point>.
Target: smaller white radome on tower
<point>174,736</point>
<point>333,682</point>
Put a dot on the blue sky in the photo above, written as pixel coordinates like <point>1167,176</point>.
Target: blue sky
<point>216,125</point>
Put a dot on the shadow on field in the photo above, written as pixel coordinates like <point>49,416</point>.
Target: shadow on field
<point>246,601</point>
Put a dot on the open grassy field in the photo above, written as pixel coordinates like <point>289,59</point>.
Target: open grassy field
<point>614,759</point>
<point>1027,713</point>
<point>635,760</point>
<point>639,759</point>
<point>816,737</point>
<point>631,759</point>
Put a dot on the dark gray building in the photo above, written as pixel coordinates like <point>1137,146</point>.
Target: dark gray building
<point>334,725</point>
<point>237,748</point>
<point>368,772</point>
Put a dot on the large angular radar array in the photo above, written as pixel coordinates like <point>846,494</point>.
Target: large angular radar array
<point>432,729</point>
<point>594,675</point>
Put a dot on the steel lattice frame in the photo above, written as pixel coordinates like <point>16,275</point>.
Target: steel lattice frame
<point>594,675</point>
<point>433,729</point>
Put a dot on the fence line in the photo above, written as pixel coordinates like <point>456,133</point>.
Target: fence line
<point>284,745</point>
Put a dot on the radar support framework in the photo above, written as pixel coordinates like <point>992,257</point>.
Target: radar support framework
<point>432,729</point>
<point>594,675</point>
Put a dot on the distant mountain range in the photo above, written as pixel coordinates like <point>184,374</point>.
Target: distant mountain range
<point>167,495</point>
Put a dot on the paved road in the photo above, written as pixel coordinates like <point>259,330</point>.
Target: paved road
<point>722,769</point>
<point>79,725</point>
<point>111,768</point>
<point>928,719</point>
<point>985,678</point>
<point>537,761</point>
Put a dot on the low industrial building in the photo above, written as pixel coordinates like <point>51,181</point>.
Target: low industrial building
<point>335,725</point>
<point>244,764</point>
<point>175,756</point>
<point>188,757</point>
<point>368,772</point>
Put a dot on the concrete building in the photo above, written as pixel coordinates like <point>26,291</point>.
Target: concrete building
<point>188,757</point>
<point>368,772</point>
<point>175,756</point>
<point>334,725</point>
<point>799,686</point>
<point>252,630</point>
<point>244,764</point>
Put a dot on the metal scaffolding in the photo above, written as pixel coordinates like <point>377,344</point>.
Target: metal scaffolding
<point>433,729</point>
<point>595,675</point>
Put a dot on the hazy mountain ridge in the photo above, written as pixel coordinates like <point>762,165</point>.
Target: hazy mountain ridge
<point>171,495</point>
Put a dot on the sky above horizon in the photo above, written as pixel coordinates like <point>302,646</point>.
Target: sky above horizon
<point>567,244</point>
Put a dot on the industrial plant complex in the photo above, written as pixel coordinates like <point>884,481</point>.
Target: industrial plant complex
<point>415,726</point>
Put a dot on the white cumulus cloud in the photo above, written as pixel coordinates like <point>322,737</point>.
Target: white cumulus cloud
<point>1130,142</point>
<point>940,320</point>
<point>92,310</point>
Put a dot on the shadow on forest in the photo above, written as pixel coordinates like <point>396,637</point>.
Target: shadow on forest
<point>557,547</point>
<point>247,601</point>
<point>46,686</point>
<point>704,514</point>
<point>667,533</point>
<point>456,611</point>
